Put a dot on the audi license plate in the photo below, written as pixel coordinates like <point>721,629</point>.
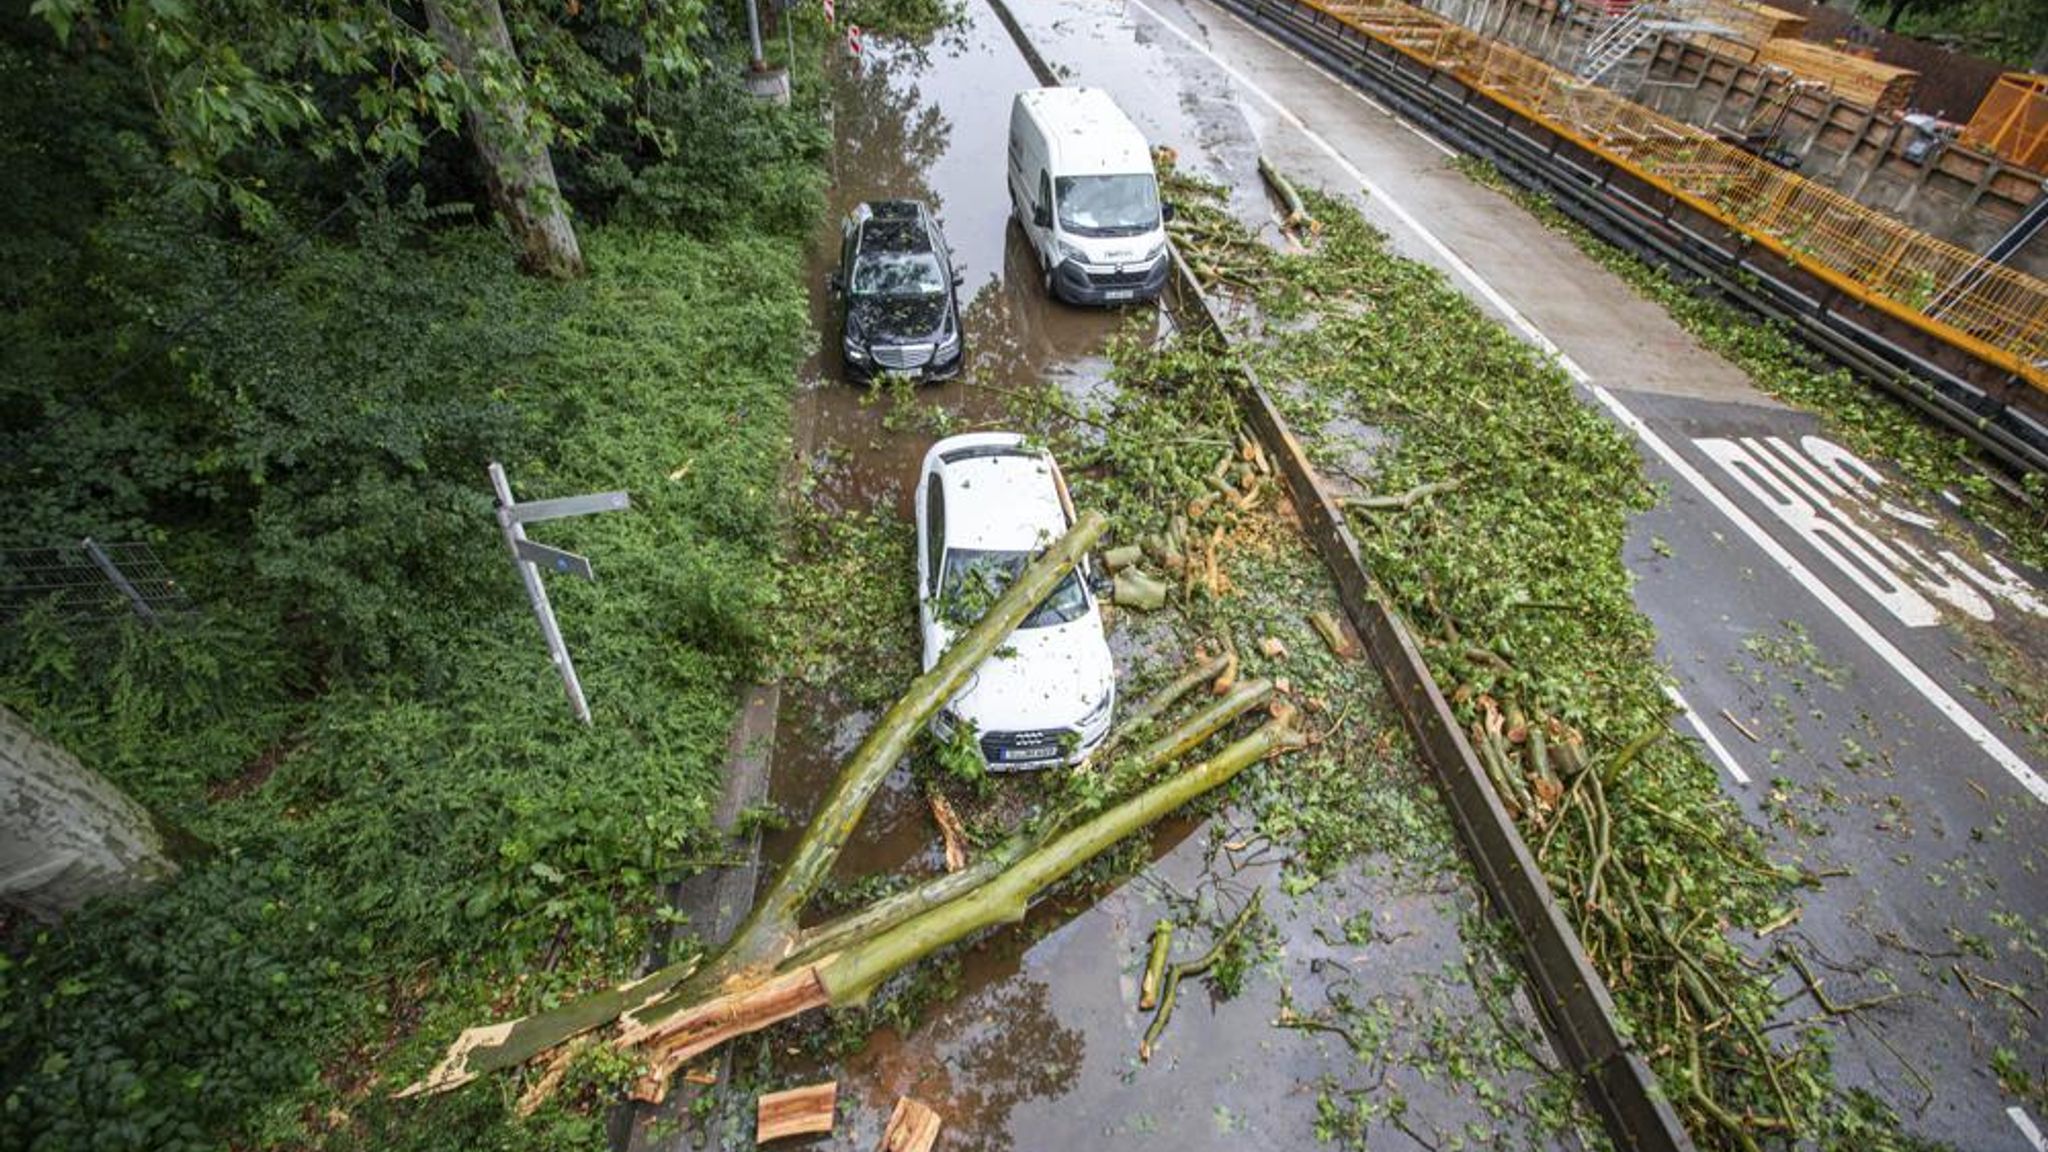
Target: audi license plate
<point>1016,755</point>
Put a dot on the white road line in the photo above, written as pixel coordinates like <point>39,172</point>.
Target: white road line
<point>2027,1128</point>
<point>1362,97</point>
<point>1934,693</point>
<point>1378,194</point>
<point>1707,737</point>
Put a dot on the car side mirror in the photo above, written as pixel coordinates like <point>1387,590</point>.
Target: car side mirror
<point>836,283</point>
<point>1041,216</point>
<point>1100,584</point>
<point>1166,212</point>
<point>959,277</point>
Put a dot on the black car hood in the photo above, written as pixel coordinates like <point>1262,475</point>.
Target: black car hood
<point>898,319</point>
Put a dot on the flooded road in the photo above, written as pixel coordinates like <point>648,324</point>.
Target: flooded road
<point>1029,1038</point>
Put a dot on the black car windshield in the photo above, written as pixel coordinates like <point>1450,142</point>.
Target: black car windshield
<point>1108,205</point>
<point>974,578</point>
<point>897,274</point>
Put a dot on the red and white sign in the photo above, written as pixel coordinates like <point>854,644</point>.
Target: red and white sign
<point>831,12</point>
<point>853,39</point>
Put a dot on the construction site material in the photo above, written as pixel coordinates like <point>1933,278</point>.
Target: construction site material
<point>804,1111</point>
<point>2013,121</point>
<point>913,1127</point>
<point>1869,258</point>
<point>1882,88</point>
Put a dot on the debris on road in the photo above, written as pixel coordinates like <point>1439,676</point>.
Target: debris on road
<point>804,1111</point>
<point>913,1127</point>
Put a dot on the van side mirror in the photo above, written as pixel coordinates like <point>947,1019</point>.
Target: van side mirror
<point>1041,215</point>
<point>1166,211</point>
<point>836,283</point>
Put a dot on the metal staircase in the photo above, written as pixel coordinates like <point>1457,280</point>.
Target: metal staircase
<point>1628,25</point>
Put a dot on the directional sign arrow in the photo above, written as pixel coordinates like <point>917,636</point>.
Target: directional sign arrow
<point>554,559</point>
<point>535,510</point>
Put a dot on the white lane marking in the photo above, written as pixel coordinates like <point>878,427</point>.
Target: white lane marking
<point>1933,693</point>
<point>2027,1128</point>
<point>1362,97</point>
<point>1707,737</point>
<point>1376,193</point>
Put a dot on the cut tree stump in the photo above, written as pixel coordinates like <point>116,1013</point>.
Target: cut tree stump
<point>913,1127</point>
<point>798,1112</point>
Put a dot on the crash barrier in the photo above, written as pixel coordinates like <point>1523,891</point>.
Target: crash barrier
<point>1963,339</point>
<point>1573,1000</point>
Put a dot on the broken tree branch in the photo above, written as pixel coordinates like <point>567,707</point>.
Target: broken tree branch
<point>1195,967</point>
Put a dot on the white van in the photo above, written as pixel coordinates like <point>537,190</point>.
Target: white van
<point>1081,184</point>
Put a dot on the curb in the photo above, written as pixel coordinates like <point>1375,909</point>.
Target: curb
<point>714,901</point>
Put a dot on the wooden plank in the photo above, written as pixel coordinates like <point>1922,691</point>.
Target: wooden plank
<point>913,1127</point>
<point>801,1111</point>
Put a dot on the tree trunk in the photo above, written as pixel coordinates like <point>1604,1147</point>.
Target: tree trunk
<point>517,167</point>
<point>67,835</point>
<point>769,932</point>
<point>1898,9</point>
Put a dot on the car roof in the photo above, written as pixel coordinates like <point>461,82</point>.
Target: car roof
<point>1000,494</point>
<point>893,226</point>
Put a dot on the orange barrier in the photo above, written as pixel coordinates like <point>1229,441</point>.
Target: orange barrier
<point>2002,318</point>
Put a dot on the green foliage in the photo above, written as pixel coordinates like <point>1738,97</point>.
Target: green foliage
<point>723,163</point>
<point>400,831</point>
<point>231,77</point>
<point>2008,31</point>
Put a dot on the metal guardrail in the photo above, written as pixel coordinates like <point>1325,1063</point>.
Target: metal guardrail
<point>1624,203</point>
<point>1873,257</point>
<point>1571,996</point>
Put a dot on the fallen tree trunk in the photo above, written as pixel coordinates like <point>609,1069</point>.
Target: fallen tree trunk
<point>893,910</point>
<point>510,1043</point>
<point>846,978</point>
<point>764,938</point>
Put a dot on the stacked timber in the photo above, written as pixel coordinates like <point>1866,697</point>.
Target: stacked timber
<point>1879,87</point>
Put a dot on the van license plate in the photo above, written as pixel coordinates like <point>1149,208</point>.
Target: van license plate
<point>1117,294</point>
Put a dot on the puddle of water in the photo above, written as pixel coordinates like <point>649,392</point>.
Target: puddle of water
<point>1037,1045</point>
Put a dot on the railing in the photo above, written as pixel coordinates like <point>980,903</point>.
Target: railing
<point>2001,318</point>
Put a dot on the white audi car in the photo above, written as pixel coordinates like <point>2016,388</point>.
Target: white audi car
<point>986,503</point>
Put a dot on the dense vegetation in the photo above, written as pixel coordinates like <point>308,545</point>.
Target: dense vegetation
<point>294,403</point>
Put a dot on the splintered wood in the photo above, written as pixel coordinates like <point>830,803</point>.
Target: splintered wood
<point>949,827</point>
<point>913,1127</point>
<point>798,1112</point>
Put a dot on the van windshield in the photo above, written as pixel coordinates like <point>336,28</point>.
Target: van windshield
<point>1108,205</point>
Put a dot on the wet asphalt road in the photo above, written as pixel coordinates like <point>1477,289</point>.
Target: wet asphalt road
<point>1848,651</point>
<point>1782,590</point>
<point>1035,1046</point>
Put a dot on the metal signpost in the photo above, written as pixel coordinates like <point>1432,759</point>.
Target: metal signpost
<point>528,556</point>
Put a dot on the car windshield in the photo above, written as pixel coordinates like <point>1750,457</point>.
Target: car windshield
<point>974,578</point>
<point>1108,205</point>
<point>898,274</point>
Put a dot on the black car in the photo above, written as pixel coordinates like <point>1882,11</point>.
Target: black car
<point>895,284</point>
